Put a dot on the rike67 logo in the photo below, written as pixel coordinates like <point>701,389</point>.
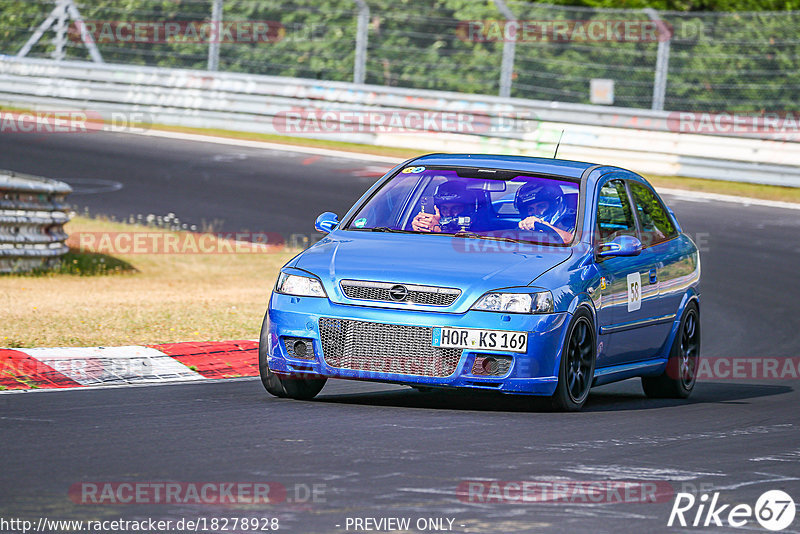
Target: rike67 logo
<point>774,510</point>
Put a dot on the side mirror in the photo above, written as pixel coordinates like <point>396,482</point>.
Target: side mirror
<point>622,245</point>
<point>327,222</point>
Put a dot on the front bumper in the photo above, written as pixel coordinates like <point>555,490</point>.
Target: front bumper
<point>534,372</point>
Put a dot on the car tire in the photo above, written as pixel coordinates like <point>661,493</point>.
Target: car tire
<point>678,379</point>
<point>294,387</point>
<point>576,370</point>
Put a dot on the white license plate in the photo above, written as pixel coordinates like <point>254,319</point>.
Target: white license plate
<point>473,338</point>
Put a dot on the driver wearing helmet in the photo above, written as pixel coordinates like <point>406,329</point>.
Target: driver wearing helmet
<point>454,205</point>
<point>543,204</point>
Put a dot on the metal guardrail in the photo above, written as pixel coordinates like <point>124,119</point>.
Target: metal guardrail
<point>32,218</point>
<point>697,60</point>
<point>639,139</point>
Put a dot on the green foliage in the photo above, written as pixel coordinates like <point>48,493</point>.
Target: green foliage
<point>655,222</point>
<point>728,59</point>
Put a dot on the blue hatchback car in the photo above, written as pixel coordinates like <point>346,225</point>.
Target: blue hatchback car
<point>505,273</point>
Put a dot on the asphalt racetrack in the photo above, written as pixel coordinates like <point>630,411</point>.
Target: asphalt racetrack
<point>382,451</point>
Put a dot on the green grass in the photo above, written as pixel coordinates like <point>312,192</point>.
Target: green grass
<point>766,192</point>
<point>80,263</point>
<point>138,299</point>
<point>93,264</point>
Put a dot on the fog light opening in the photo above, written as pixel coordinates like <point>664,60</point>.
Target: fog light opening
<point>490,366</point>
<point>299,348</point>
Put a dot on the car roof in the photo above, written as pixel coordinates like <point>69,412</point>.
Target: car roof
<point>561,167</point>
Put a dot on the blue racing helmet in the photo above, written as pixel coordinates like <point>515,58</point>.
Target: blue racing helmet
<point>453,192</point>
<point>535,192</point>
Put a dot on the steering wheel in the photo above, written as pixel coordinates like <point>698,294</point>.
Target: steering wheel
<point>543,228</point>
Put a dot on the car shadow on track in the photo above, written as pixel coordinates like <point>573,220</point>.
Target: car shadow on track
<point>626,395</point>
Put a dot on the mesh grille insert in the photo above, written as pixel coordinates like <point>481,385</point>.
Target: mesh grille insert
<point>384,348</point>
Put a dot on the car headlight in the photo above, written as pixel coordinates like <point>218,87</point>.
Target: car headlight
<point>541,302</point>
<point>301,286</point>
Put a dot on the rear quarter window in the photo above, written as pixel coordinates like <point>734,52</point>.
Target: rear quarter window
<point>654,219</point>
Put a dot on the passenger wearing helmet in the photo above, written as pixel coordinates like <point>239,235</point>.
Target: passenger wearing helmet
<point>454,210</point>
<point>543,204</point>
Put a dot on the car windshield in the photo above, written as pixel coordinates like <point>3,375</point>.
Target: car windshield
<point>507,205</point>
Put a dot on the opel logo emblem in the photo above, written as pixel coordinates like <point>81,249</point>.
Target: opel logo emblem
<point>398,293</point>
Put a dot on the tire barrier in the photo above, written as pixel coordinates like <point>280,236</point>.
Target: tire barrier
<point>33,213</point>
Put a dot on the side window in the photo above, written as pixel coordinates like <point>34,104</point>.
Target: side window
<point>614,215</point>
<point>655,221</point>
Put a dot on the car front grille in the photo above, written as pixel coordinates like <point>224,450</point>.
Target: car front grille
<point>384,348</point>
<point>381,291</point>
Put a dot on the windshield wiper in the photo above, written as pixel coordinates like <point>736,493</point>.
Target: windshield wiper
<point>392,230</point>
<point>481,236</point>
<point>457,234</point>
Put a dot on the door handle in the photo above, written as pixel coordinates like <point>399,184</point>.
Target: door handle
<point>653,276</point>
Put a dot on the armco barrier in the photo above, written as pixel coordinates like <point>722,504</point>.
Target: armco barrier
<point>642,140</point>
<point>32,218</point>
